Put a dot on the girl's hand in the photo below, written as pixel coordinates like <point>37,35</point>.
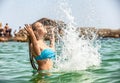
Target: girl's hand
<point>28,28</point>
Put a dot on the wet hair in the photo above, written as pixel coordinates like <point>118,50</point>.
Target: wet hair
<point>47,22</point>
<point>33,26</point>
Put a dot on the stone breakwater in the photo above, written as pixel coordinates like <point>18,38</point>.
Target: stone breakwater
<point>21,36</point>
<point>101,32</point>
<point>85,32</point>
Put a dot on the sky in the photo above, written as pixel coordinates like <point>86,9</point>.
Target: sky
<point>86,13</point>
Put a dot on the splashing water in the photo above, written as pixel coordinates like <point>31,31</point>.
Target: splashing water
<point>76,53</point>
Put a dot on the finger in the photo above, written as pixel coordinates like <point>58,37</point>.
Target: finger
<point>27,31</point>
<point>26,25</point>
<point>25,28</point>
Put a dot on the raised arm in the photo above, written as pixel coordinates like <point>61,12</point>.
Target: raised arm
<point>33,39</point>
<point>52,39</point>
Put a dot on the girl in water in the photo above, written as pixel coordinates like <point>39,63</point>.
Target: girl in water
<point>42,53</point>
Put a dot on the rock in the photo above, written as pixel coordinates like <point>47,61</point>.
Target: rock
<point>102,32</point>
<point>21,35</point>
<point>3,39</point>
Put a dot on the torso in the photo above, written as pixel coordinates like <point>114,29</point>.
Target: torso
<point>42,64</point>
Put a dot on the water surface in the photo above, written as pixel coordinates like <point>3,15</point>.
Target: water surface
<point>15,66</point>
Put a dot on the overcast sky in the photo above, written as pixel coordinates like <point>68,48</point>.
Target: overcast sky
<point>98,13</point>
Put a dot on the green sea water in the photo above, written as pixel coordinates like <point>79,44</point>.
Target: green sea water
<point>15,66</point>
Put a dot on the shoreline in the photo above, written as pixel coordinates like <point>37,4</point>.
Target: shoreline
<point>101,33</point>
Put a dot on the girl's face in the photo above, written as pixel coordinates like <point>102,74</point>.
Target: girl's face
<point>40,28</point>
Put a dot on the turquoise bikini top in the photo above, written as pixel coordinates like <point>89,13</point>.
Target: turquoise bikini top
<point>46,53</point>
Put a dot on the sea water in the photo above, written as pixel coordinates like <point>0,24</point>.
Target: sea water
<point>15,66</point>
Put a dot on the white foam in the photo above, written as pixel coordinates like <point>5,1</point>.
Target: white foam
<point>76,53</point>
